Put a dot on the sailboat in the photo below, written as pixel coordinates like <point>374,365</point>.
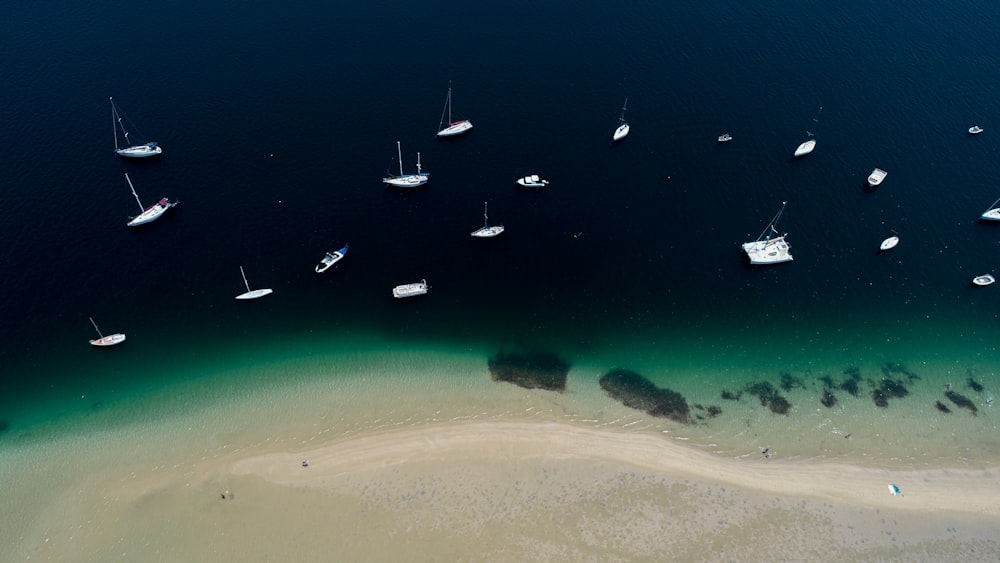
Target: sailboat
<point>406,180</point>
<point>993,213</point>
<point>767,250</point>
<point>623,127</point>
<point>142,150</point>
<point>252,294</point>
<point>148,214</point>
<point>487,231</point>
<point>808,146</point>
<point>109,340</point>
<point>454,127</point>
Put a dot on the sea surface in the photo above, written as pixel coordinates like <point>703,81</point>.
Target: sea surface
<point>278,121</point>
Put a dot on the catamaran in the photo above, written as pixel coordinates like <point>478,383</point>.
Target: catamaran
<point>141,150</point>
<point>487,231</point>
<point>406,180</point>
<point>330,259</point>
<point>993,213</point>
<point>410,289</point>
<point>454,127</point>
<point>252,294</point>
<point>623,127</point>
<point>148,214</point>
<point>109,340</point>
<point>767,250</point>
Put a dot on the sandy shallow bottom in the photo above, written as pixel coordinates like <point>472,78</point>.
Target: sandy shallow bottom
<point>446,465</point>
<point>516,491</point>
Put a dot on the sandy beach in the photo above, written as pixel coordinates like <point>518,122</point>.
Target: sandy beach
<point>511,491</point>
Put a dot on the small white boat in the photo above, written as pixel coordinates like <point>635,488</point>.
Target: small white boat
<point>487,231</point>
<point>975,130</point>
<point>410,289</point>
<point>985,279</point>
<point>330,259</point>
<point>766,250</point>
<point>725,138</point>
<point>876,177</point>
<point>993,213</point>
<point>894,490</point>
<point>109,340</point>
<point>148,214</point>
<point>252,294</point>
<point>454,127</point>
<point>406,180</point>
<point>623,127</point>
<point>141,150</point>
<point>805,148</point>
<point>532,181</point>
<point>889,243</point>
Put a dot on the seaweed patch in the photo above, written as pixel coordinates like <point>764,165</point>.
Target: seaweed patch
<point>851,383</point>
<point>635,391</point>
<point>942,407</point>
<point>730,396</point>
<point>769,397</point>
<point>961,401</point>
<point>535,370</point>
<point>888,388</point>
<point>787,382</point>
<point>974,385</point>
<point>828,399</point>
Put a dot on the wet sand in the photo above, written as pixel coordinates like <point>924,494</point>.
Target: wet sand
<point>514,491</point>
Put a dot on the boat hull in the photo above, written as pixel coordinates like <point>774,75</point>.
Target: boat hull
<point>330,259</point>
<point>109,340</point>
<point>983,280</point>
<point>140,151</point>
<point>876,177</point>
<point>889,243</point>
<point>805,148</point>
<point>255,294</point>
<point>991,215</point>
<point>410,289</point>
<point>532,181</point>
<point>771,251</point>
<point>152,213</point>
<point>456,128</point>
<point>411,181</point>
<point>621,132</point>
<point>487,232</point>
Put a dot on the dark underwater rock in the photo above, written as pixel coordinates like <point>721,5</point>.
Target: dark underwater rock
<point>961,401</point>
<point>635,391</point>
<point>535,370</point>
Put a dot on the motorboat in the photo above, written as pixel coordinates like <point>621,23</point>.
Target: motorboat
<point>410,289</point>
<point>876,177</point>
<point>889,243</point>
<point>985,279</point>
<point>767,250</point>
<point>975,130</point>
<point>725,138</point>
<point>532,181</point>
<point>330,259</point>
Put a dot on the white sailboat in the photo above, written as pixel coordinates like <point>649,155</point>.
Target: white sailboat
<point>252,293</point>
<point>767,250</point>
<point>148,214</point>
<point>330,259</point>
<point>410,289</point>
<point>109,340</point>
<point>141,150</point>
<point>454,127</point>
<point>406,180</point>
<point>993,213</point>
<point>808,146</point>
<point>985,279</point>
<point>889,243</point>
<point>487,231</point>
<point>623,127</point>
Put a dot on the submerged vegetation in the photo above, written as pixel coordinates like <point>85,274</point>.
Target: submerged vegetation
<point>635,391</point>
<point>534,370</point>
<point>961,401</point>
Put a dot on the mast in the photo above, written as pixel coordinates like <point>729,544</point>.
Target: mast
<point>245,282</point>
<point>486,219</point>
<point>114,121</point>
<point>399,151</point>
<point>418,163</point>
<point>449,103</point>
<point>622,118</point>
<point>95,327</point>
<point>141,208</point>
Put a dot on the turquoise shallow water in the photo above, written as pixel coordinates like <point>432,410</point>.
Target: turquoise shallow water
<point>277,126</point>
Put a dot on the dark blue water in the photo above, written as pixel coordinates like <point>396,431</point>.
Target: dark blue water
<point>279,120</point>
